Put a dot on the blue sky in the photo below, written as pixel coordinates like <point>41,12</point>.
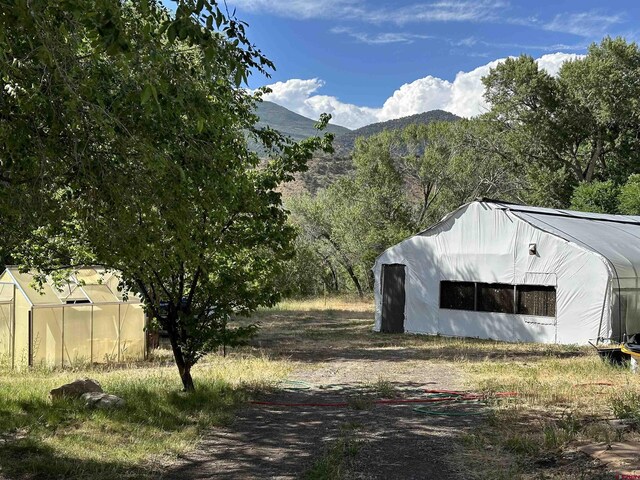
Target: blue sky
<point>353,57</point>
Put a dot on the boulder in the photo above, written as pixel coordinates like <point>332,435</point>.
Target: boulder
<point>102,400</point>
<point>76,389</point>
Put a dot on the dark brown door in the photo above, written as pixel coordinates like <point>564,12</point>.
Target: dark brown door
<point>393,298</point>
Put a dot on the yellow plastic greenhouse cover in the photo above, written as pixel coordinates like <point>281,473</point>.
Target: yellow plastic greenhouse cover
<point>82,321</point>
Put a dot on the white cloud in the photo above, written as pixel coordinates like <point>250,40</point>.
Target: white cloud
<point>553,61</point>
<point>463,96</point>
<point>293,93</point>
<point>424,94</point>
<point>584,24</point>
<point>441,11</point>
<point>346,114</point>
<point>380,38</point>
<point>303,9</point>
<point>467,90</point>
<point>359,10</point>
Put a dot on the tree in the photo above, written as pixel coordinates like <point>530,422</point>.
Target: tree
<point>447,164</point>
<point>135,134</point>
<point>402,182</point>
<point>574,128</point>
<point>357,217</point>
<point>629,196</point>
<point>597,197</point>
<point>53,115</point>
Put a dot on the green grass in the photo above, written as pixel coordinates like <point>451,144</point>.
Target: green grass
<point>334,464</point>
<point>63,439</point>
<point>561,400</point>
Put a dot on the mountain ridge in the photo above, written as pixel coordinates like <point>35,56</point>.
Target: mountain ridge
<point>324,169</point>
<point>291,123</point>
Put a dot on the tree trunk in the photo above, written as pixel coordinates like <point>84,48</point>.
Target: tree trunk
<point>355,280</point>
<point>345,263</point>
<point>184,368</point>
<point>595,155</point>
<point>333,285</point>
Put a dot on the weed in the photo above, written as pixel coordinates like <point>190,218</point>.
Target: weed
<point>626,405</point>
<point>384,389</point>
<point>334,464</point>
<point>360,402</point>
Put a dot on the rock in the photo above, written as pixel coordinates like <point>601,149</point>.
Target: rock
<point>76,389</point>
<point>102,400</point>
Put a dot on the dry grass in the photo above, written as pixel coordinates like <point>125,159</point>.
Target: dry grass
<point>345,303</point>
<point>560,397</point>
<point>345,325</point>
<point>558,400</point>
<point>65,440</point>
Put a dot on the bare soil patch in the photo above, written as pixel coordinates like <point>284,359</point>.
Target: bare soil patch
<point>390,441</point>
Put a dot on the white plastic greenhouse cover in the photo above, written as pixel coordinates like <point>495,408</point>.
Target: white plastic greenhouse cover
<point>592,259</point>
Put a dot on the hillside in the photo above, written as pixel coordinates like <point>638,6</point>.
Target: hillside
<point>290,123</point>
<point>346,141</point>
<point>325,169</point>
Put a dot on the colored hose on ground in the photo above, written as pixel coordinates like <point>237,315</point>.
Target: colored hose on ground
<point>295,385</point>
<point>346,404</point>
<point>601,384</point>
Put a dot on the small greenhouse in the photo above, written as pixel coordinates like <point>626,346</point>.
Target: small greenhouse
<point>84,320</point>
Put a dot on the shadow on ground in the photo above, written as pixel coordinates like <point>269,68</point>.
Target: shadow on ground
<point>29,459</point>
<point>285,442</point>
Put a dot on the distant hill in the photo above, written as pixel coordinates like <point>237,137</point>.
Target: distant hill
<point>290,123</point>
<point>325,169</point>
<point>346,141</point>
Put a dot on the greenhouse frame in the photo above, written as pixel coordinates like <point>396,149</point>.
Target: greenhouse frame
<point>84,320</point>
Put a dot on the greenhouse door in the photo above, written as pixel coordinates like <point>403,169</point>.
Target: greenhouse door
<point>393,298</point>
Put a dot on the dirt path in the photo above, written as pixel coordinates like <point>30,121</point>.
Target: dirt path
<point>333,349</point>
<point>384,441</point>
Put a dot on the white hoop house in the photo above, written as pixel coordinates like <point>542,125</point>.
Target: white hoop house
<point>513,272</point>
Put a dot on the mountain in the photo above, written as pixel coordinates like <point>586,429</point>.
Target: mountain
<point>324,169</point>
<point>290,123</point>
<point>345,142</point>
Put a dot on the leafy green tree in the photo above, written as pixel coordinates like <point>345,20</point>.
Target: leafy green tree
<point>401,183</point>
<point>575,128</point>
<point>128,135</point>
<point>325,220</point>
<point>447,164</point>
<point>597,197</point>
<point>310,272</point>
<point>629,196</point>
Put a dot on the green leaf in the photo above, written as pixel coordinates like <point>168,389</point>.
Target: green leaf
<point>238,77</point>
<point>146,93</point>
